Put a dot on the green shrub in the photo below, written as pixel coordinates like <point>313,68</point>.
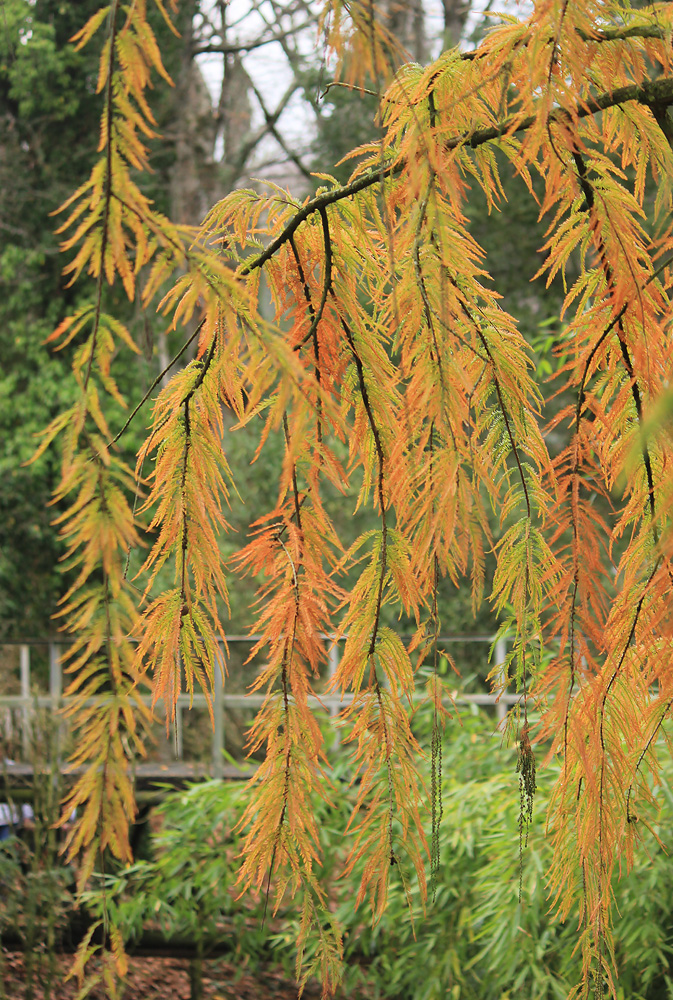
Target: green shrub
<point>475,941</point>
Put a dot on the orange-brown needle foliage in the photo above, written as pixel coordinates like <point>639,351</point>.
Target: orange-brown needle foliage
<point>390,362</point>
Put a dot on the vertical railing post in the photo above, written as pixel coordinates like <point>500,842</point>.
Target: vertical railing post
<point>500,658</point>
<point>332,667</point>
<point>218,723</point>
<point>55,676</point>
<point>8,733</point>
<point>55,693</point>
<point>24,663</point>
<point>178,731</point>
<point>177,719</point>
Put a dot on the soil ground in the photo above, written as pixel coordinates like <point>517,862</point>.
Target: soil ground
<point>160,979</point>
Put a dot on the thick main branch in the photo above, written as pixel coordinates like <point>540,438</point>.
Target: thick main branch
<point>659,92</point>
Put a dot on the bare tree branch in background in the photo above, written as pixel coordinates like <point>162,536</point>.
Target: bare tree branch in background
<point>455,17</point>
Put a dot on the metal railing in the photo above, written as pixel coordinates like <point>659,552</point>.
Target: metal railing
<point>27,701</point>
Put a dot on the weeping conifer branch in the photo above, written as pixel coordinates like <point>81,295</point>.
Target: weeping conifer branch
<point>429,385</point>
<point>99,526</point>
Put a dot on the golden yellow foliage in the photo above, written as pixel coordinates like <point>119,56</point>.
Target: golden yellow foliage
<point>391,348</point>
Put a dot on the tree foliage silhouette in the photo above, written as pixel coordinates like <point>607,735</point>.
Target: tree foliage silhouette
<point>390,361</point>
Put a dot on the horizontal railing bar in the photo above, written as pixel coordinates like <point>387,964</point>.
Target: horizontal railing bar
<point>331,702</point>
<point>68,641</point>
<point>256,700</point>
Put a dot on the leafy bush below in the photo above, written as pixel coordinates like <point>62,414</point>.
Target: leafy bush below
<point>476,940</point>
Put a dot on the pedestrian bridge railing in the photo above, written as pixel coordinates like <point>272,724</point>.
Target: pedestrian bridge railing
<point>17,711</point>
